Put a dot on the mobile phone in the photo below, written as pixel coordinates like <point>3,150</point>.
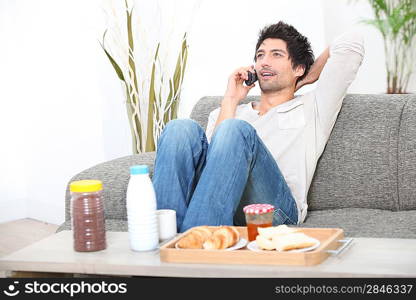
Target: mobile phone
<point>252,78</point>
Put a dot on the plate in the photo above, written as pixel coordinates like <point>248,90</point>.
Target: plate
<point>240,244</point>
<point>253,247</point>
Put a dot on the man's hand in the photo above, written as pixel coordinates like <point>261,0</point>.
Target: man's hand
<point>235,93</point>
<point>236,90</point>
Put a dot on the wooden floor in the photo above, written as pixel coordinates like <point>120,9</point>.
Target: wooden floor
<point>17,234</point>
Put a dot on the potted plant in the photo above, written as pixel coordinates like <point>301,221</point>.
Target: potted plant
<point>152,87</point>
<point>396,21</point>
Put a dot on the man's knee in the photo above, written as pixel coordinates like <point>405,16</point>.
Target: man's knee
<point>232,128</point>
<point>181,129</point>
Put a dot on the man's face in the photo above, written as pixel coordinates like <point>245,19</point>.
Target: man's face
<point>274,67</point>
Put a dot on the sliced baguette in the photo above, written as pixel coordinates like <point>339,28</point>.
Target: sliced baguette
<point>293,241</point>
<point>270,232</point>
<point>264,243</point>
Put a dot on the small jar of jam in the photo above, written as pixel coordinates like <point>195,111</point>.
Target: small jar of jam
<point>258,215</point>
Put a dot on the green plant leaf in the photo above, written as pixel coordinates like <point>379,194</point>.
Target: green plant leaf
<point>132,64</point>
<point>131,124</point>
<point>112,61</point>
<point>150,142</point>
<point>180,67</point>
<point>380,5</point>
<point>174,85</point>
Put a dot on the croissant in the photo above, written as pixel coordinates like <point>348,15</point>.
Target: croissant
<point>224,237</point>
<point>195,238</point>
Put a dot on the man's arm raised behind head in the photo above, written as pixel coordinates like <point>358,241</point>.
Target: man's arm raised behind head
<point>315,70</point>
<point>346,54</point>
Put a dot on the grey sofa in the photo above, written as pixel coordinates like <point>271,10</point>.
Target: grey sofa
<point>365,181</point>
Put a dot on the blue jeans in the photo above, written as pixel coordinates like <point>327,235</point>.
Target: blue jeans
<point>209,184</point>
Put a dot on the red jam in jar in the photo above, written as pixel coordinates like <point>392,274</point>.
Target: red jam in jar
<point>258,215</point>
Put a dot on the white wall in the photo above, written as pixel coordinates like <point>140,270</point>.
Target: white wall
<point>12,184</point>
<point>61,105</point>
<point>353,12</point>
<point>52,111</point>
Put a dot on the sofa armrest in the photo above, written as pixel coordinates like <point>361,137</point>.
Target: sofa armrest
<point>115,175</point>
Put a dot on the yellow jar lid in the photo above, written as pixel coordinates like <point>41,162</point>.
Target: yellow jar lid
<point>85,186</point>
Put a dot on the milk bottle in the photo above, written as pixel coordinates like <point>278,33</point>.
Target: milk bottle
<point>141,210</point>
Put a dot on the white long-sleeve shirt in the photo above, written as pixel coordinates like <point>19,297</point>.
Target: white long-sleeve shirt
<point>296,132</point>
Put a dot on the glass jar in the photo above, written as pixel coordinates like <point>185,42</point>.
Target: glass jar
<point>257,215</point>
<point>87,215</point>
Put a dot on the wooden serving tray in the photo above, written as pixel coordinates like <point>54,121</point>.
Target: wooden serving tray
<point>329,238</point>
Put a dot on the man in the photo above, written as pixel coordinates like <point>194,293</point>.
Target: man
<point>263,152</point>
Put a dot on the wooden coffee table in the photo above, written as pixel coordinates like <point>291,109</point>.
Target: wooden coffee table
<point>365,257</point>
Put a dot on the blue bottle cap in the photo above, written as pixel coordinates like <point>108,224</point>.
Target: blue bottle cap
<point>139,169</point>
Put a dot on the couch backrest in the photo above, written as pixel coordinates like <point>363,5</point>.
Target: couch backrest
<point>407,156</point>
<point>361,165</point>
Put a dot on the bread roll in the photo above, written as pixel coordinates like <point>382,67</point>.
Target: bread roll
<point>195,238</point>
<point>292,241</point>
<point>222,238</point>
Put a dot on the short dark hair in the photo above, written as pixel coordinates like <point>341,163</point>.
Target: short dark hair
<point>298,46</point>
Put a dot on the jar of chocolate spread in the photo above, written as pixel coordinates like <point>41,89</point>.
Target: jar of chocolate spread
<point>87,213</point>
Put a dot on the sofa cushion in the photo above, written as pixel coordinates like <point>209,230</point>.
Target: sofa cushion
<point>359,165</point>
<point>115,175</point>
<point>407,156</point>
<point>359,222</point>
